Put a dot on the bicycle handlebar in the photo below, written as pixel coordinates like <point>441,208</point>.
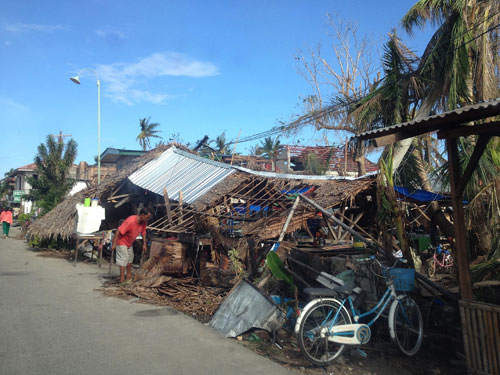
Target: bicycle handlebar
<point>374,258</point>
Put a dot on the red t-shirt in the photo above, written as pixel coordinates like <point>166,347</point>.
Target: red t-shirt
<point>129,231</point>
<point>7,216</point>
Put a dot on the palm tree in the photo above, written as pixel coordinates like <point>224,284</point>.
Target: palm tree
<point>53,162</point>
<point>461,59</point>
<point>255,150</point>
<point>4,183</point>
<point>147,131</point>
<point>270,148</point>
<point>462,62</point>
<point>221,144</point>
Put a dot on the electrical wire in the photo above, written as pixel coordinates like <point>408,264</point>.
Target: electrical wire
<point>313,116</point>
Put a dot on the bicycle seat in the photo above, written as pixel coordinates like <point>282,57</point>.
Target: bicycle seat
<point>326,292</point>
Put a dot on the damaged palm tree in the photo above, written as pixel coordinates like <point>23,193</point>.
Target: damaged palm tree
<point>390,215</point>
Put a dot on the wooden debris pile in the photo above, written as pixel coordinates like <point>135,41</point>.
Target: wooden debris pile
<point>184,295</point>
<point>153,284</point>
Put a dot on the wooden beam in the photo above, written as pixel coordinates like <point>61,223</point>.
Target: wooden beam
<point>463,263</point>
<point>368,235</point>
<point>340,223</point>
<point>180,206</point>
<point>481,144</point>
<point>167,205</point>
<point>331,233</point>
<point>289,217</point>
<point>354,223</point>
<point>119,196</point>
<point>491,129</point>
<point>123,201</point>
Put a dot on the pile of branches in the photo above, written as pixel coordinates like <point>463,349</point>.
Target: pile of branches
<point>184,295</point>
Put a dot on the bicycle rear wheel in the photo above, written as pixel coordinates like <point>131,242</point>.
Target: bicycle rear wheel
<point>406,320</point>
<point>313,332</point>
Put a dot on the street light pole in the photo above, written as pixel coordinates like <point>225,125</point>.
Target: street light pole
<point>76,80</point>
<point>98,131</point>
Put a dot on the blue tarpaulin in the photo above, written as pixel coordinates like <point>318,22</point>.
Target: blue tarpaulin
<point>420,195</point>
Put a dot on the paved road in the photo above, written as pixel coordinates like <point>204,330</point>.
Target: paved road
<point>52,321</point>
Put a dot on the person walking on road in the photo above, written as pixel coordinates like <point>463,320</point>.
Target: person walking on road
<point>124,239</point>
<point>6,218</point>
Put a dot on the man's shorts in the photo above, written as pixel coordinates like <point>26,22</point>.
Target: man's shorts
<point>124,255</point>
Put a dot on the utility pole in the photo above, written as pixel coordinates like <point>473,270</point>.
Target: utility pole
<point>60,136</point>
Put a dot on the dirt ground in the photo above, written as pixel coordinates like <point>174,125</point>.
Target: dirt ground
<point>382,356</point>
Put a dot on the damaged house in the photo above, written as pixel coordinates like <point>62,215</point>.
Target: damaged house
<point>206,213</point>
<point>213,205</point>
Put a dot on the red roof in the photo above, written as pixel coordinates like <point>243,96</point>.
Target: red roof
<point>29,166</point>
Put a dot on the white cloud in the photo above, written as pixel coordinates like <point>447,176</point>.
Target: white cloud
<point>111,34</point>
<point>29,27</point>
<point>121,81</point>
<point>13,105</point>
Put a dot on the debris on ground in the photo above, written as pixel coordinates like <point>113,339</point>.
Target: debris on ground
<point>185,295</point>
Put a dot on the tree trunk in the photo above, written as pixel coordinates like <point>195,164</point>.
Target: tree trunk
<point>361,166</point>
<point>360,159</point>
<point>402,147</point>
<point>436,213</point>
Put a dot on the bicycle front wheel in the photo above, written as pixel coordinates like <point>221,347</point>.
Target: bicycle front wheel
<point>407,324</point>
<point>314,332</point>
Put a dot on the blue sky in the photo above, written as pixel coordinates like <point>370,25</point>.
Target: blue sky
<point>194,67</point>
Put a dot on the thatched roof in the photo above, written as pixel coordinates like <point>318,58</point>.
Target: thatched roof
<point>60,221</point>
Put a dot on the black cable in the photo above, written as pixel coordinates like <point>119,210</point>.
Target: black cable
<point>313,116</point>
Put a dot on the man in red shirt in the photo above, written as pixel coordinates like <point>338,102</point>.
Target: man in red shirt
<point>125,237</point>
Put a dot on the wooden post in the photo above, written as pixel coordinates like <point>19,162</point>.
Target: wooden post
<point>180,207</point>
<point>234,149</point>
<point>345,156</point>
<point>288,219</point>
<point>463,263</point>
<point>167,205</point>
<point>331,233</point>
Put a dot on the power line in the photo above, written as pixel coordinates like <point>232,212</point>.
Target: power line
<point>313,116</point>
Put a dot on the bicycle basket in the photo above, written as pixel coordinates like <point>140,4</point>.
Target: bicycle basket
<point>403,278</point>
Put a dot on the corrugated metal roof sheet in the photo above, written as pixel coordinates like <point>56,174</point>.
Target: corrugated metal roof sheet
<point>177,171</point>
<point>432,123</point>
<point>294,176</point>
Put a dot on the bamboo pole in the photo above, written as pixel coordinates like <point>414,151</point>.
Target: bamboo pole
<point>167,205</point>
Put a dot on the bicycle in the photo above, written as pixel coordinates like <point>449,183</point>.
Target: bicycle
<point>442,260</point>
<point>326,326</point>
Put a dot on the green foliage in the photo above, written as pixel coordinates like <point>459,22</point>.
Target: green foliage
<point>53,162</point>
<point>34,241</point>
<point>23,218</point>
<point>269,147</point>
<point>313,165</point>
<point>148,131</point>
<point>4,184</point>
<point>221,144</point>
<point>278,268</point>
<point>45,243</point>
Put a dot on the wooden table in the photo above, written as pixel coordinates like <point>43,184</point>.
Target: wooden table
<point>81,239</point>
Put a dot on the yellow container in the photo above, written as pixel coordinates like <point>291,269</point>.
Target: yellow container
<point>86,202</point>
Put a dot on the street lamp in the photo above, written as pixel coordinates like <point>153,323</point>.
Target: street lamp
<point>76,80</point>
